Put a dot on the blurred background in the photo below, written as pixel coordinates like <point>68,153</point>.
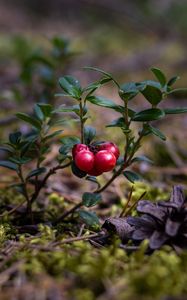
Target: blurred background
<point>43,40</point>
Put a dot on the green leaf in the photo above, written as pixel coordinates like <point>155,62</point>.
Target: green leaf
<point>76,171</point>
<point>68,143</point>
<point>89,134</point>
<point>71,86</point>
<point>173,80</point>
<point>128,91</point>
<point>92,179</point>
<point>177,110</point>
<point>152,92</point>
<point>90,199</point>
<point>159,75</point>
<point>9,165</point>
<point>102,72</point>
<point>73,108</point>
<point>36,172</point>
<point>52,135</point>
<point>14,138</point>
<point>28,119</point>
<point>20,161</point>
<point>101,101</point>
<point>142,158</point>
<point>90,218</point>
<point>149,115</point>
<point>43,110</point>
<point>132,176</point>
<point>7,149</point>
<point>155,131</point>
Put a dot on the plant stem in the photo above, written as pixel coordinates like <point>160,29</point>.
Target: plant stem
<point>67,213</point>
<point>81,122</point>
<point>29,206</point>
<point>42,184</point>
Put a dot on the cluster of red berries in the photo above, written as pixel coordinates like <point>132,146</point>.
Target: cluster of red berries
<point>95,159</point>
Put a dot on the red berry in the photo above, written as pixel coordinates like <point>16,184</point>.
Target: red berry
<point>84,160</point>
<point>77,148</point>
<point>94,172</point>
<point>104,161</point>
<point>109,146</point>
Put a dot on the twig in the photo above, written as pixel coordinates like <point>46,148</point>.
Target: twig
<point>134,204</point>
<point>67,213</point>
<point>127,203</point>
<point>13,209</point>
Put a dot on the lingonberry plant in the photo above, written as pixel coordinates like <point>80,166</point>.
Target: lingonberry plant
<point>87,156</point>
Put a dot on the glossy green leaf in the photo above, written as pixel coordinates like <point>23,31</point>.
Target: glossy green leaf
<point>155,131</point>
<point>36,172</point>
<point>128,91</point>
<point>173,80</point>
<point>76,171</point>
<point>20,160</point>
<point>43,110</point>
<point>142,158</point>
<point>28,119</point>
<point>101,101</point>
<point>159,75</point>
<point>89,134</point>
<point>90,199</point>
<point>177,110</point>
<point>14,138</point>
<point>52,135</point>
<point>90,218</point>
<point>152,92</point>
<point>132,176</point>
<point>9,165</point>
<point>149,115</point>
<point>68,143</point>
<point>71,86</point>
<point>73,108</point>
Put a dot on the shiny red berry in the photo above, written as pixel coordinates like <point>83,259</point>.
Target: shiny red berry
<point>94,172</point>
<point>109,146</point>
<point>84,160</point>
<point>77,148</point>
<point>104,161</point>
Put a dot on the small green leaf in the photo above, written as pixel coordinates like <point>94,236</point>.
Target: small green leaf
<point>42,110</point>
<point>149,115</point>
<point>177,110</point>
<point>142,158</point>
<point>52,135</point>
<point>9,165</point>
<point>7,149</point>
<point>101,101</point>
<point>28,119</point>
<point>68,143</point>
<point>14,138</point>
<point>128,91</point>
<point>177,90</point>
<point>155,131</point>
<point>152,92</point>
<point>73,108</point>
<point>36,172</point>
<point>20,161</point>
<point>102,72</point>
<point>132,176</point>
<point>76,171</point>
<point>90,199</point>
<point>159,75</point>
<point>173,80</point>
<point>71,86</point>
<point>90,218</point>
<point>89,134</point>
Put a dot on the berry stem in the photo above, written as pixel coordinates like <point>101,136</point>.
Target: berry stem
<point>81,121</point>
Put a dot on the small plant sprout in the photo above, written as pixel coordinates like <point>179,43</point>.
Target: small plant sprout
<point>87,156</point>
